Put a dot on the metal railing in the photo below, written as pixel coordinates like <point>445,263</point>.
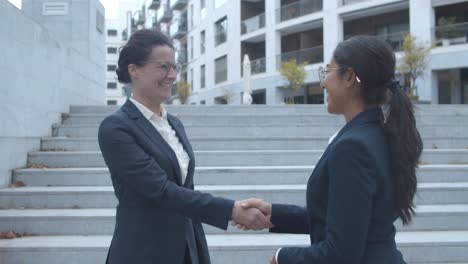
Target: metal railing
<point>395,39</point>
<point>254,23</point>
<point>307,56</point>
<point>178,27</point>
<point>452,34</point>
<point>256,66</point>
<point>297,9</point>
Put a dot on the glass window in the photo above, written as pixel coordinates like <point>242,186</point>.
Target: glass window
<point>111,85</point>
<point>111,32</point>
<point>111,102</point>
<point>191,47</point>
<point>221,31</point>
<point>111,50</point>
<point>202,42</point>
<point>111,67</point>
<point>221,69</point>
<point>202,76</point>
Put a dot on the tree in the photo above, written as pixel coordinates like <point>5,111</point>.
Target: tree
<point>183,90</point>
<point>293,73</point>
<point>414,62</point>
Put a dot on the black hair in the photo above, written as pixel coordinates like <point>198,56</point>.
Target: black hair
<point>138,49</point>
<point>373,62</point>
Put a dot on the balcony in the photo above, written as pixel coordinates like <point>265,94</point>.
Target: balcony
<point>394,39</point>
<point>350,2</point>
<point>139,18</point>
<point>178,4</point>
<point>182,56</point>
<point>252,24</point>
<point>256,66</point>
<point>164,14</point>
<point>178,28</point>
<point>307,56</point>
<point>154,4</point>
<point>298,9</point>
<point>452,34</point>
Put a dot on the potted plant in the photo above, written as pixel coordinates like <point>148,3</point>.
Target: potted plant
<point>445,28</point>
<point>183,91</point>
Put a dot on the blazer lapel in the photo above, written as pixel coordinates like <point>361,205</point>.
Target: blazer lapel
<point>154,135</point>
<point>187,147</point>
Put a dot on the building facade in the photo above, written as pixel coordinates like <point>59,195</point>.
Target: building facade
<point>212,37</point>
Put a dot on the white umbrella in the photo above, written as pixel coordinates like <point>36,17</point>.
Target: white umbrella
<point>246,97</point>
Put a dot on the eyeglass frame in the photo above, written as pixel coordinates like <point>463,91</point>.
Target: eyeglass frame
<point>176,66</point>
<point>323,71</point>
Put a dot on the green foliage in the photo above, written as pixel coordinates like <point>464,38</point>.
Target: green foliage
<point>446,26</point>
<point>183,90</point>
<point>414,61</point>
<point>293,73</point>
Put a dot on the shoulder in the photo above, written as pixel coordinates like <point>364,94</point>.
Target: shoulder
<point>118,119</point>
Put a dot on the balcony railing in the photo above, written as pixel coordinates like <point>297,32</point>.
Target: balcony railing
<point>178,28</point>
<point>182,56</point>
<point>297,9</point>
<point>350,2</point>
<point>164,14</point>
<point>220,37</point>
<point>154,4</point>
<point>395,39</point>
<point>256,66</point>
<point>178,4</point>
<point>307,56</point>
<point>253,23</point>
<point>452,34</point>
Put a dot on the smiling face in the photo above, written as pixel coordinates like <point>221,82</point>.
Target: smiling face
<point>153,81</point>
<point>341,89</point>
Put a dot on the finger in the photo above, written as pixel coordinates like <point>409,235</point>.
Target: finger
<point>252,202</point>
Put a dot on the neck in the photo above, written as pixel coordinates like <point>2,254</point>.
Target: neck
<point>353,110</point>
<point>152,105</point>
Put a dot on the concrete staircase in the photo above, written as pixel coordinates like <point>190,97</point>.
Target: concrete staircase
<point>67,203</point>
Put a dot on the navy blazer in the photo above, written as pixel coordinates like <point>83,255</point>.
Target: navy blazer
<point>351,204</point>
<point>154,207</point>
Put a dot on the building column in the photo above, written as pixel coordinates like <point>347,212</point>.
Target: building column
<point>421,22</point>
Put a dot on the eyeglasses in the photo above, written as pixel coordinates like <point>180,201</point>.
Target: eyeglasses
<point>322,73</point>
<point>166,67</point>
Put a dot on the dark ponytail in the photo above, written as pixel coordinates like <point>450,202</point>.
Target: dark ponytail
<point>373,61</point>
<point>405,147</point>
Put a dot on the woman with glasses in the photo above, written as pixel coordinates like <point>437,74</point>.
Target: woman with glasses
<point>366,178</point>
<point>151,162</point>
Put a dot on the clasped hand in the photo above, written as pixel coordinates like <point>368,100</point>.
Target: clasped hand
<point>251,214</point>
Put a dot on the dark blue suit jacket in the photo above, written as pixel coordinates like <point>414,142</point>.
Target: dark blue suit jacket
<point>350,201</point>
<point>154,207</point>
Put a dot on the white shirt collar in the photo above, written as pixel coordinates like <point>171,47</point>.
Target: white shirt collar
<point>147,113</point>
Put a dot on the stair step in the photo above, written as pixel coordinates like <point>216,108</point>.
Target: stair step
<point>417,247</point>
<point>64,159</point>
<point>103,196</point>
<point>457,130</point>
<point>236,175</point>
<point>242,143</point>
<point>101,221</point>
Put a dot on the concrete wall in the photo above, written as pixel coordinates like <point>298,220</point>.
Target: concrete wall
<point>41,76</point>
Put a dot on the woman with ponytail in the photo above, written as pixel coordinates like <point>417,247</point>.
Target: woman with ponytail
<point>366,178</point>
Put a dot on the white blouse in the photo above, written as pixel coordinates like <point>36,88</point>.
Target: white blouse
<point>168,133</point>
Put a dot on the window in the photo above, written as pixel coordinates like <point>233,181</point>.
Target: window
<point>191,47</point>
<point>111,50</point>
<point>111,67</point>
<point>221,69</point>
<point>191,16</point>
<point>202,10</point>
<point>111,85</point>
<point>202,42</point>
<point>111,102</point>
<point>191,79</point>
<point>202,76</point>
<point>221,31</point>
<point>112,33</point>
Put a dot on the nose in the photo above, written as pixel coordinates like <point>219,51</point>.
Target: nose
<point>171,73</point>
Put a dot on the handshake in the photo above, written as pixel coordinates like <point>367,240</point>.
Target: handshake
<point>251,214</point>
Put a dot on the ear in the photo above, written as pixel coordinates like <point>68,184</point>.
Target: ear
<point>132,71</point>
